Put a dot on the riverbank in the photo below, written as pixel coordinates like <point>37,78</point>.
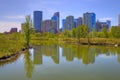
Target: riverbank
<point>94,41</point>
<point>5,58</point>
<point>82,41</point>
<point>10,50</point>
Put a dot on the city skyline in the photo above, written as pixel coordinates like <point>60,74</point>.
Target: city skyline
<point>13,14</point>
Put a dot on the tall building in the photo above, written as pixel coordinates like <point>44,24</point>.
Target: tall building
<point>69,23</point>
<point>75,23</point>
<point>56,19</point>
<point>22,27</point>
<point>63,24</point>
<point>101,25</point>
<point>79,21</point>
<point>89,19</point>
<point>48,26</point>
<point>119,20</point>
<point>13,30</point>
<point>37,20</point>
<point>109,23</point>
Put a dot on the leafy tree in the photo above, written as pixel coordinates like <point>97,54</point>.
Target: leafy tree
<point>105,33</point>
<point>84,31</point>
<point>74,32</point>
<point>115,32</point>
<point>67,33</point>
<point>78,33</point>
<point>28,30</point>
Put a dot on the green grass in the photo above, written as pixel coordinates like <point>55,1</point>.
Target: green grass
<point>12,43</point>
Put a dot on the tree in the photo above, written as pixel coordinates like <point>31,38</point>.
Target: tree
<point>74,32</point>
<point>78,33</point>
<point>115,31</point>
<point>67,33</point>
<point>28,30</point>
<point>105,33</point>
<point>84,31</point>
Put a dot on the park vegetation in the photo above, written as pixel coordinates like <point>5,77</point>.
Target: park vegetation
<point>12,43</point>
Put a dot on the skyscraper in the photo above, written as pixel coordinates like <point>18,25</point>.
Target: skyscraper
<point>63,24</point>
<point>75,23</point>
<point>48,26</point>
<point>101,25</point>
<point>56,19</point>
<point>37,20</point>
<point>89,19</point>
<point>79,21</point>
<point>108,23</point>
<point>69,23</point>
<point>119,20</point>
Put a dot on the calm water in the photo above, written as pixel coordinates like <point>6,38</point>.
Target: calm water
<point>66,62</point>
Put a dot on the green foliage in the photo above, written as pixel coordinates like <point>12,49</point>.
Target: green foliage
<point>11,43</point>
<point>78,33</point>
<point>67,33</point>
<point>115,32</point>
<point>105,33</point>
<point>84,31</point>
<point>48,35</point>
<point>28,30</point>
<point>74,32</point>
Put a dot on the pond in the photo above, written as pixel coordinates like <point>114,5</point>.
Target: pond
<point>64,62</point>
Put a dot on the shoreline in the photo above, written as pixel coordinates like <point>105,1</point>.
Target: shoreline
<point>7,58</point>
<point>94,44</point>
<point>83,41</point>
<point>93,41</point>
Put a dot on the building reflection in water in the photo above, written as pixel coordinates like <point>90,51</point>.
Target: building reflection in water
<point>37,55</point>
<point>70,52</point>
<point>50,51</point>
<point>85,53</point>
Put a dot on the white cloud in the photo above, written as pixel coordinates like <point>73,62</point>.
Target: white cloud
<point>104,19</point>
<point>15,17</point>
<point>6,26</point>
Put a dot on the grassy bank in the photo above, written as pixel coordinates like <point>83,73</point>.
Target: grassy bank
<point>10,44</point>
<point>13,43</point>
<point>93,41</point>
<point>84,41</point>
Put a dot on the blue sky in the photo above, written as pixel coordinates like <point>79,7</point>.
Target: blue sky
<point>12,12</point>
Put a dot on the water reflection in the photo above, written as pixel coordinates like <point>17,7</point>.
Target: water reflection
<point>64,54</point>
<point>85,53</point>
<point>29,66</point>
<point>40,51</point>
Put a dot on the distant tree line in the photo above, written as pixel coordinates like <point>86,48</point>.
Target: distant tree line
<point>84,32</point>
